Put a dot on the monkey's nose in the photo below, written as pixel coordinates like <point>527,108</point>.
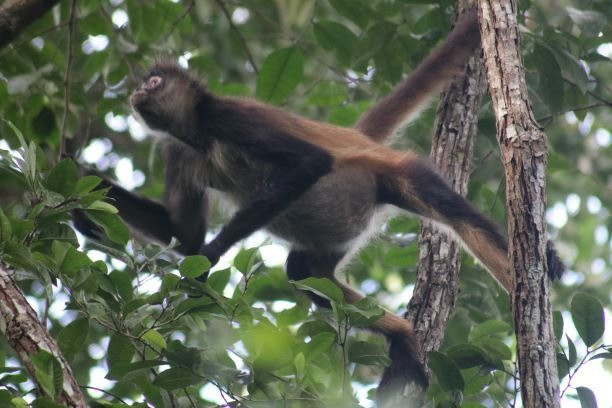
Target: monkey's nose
<point>137,97</point>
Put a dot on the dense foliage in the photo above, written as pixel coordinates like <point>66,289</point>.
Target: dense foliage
<point>136,325</point>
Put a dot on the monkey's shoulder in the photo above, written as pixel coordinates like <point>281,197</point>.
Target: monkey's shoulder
<point>221,166</point>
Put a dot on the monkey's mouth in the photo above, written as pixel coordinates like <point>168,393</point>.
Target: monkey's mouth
<point>138,97</point>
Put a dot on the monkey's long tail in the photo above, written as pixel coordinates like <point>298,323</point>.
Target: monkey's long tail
<point>434,72</point>
<point>420,189</point>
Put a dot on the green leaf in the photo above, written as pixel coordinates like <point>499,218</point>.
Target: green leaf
<point>154,339</point>
<point>607,356</point>
<point>19,402</point>
<point>5,227</point>
<point>111,224</point>
<point>280,74</point>
<point>591,23</point>
<point>364,352</point>
<point>588,317</point>
<point>551,82</point>
<point>46,402</point>
<point>587,397</point>
<point>495,349</point>
<point>73,336</point>
<point>466,355</point>
<point>86,184</point>
<point>103,206</point>
<point>21,228</point>
<point>331,35</point>
<point>169,283</point>
<point>63,177</point>
<point>218,280</point>
<point>562,366</point>
<point>322,287</point>
<point>123,284</point>
<point>299,362</point>
<point>43,124</point>
<point>48,372</point>
<point>194,266</point>
<point>570,66</point>
<point>245,259</point>
<point>363,313</point>
<point>118,371</point>
<point>571,352</point>
<point>446,371</point>
<point>120,350</point>
<point>5,397</point>
<point>355,10</point>
<point>73,261</point>
<point>489,327</point>
<point>319,343</point>
<point>558,325</point>
<point>175,378</point>
<point>186,357</point>
<point>328,93</point>
<point>375,40</point>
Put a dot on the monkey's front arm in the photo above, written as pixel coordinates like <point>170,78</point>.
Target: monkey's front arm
<point>297,165</point>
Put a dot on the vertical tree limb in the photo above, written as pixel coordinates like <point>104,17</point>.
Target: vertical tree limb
<point>26,335</point>
<point>16,15</point>
<point>523,150</point>
<point>452,153</point>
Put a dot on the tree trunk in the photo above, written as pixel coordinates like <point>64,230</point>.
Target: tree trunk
<point>26,335</point>
<point>523,150</point>
<point>452,153</point>
<point>16,15</point>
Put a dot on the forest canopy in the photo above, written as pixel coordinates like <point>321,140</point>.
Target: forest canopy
<point>131,321</point>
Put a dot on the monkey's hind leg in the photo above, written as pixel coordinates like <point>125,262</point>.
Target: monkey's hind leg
<point>405,364</point>
<point>417,187</point>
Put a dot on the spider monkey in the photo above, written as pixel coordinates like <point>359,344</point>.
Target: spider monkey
<point>316,185</point>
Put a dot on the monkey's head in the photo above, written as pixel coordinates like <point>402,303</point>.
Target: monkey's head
<point>166,100</point>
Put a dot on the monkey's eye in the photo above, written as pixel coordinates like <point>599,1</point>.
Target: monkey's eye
<point>153,82</point>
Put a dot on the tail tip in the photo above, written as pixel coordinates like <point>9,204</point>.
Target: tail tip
<point>405,368</point>
<point>555,265</point>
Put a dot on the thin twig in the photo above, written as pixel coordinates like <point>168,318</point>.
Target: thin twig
<point>191,401</point>
<point>591,93</point>
<point>571,373</point>
<point>176,22</point>
<point>15,47</point>
<point>67,79</point>
<point>239,34</point>
<point>581,108</point>
<point>115,396</point>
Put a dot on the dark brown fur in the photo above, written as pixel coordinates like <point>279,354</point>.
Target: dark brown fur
<point>314,184</point>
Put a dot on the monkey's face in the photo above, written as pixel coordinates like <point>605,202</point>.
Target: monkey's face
<point>164,102</point>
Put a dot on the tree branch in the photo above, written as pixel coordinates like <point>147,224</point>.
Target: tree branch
<point>235,29</point>
<point>16,15</point>
<point>524,155</point>
<point>62,146</point>
<point>26,335</point>
<point>452,152</point>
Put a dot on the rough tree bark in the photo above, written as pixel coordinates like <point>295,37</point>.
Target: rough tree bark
<point>26,335</point>
<point>523,150</point>
<point>16,15</point>
<point>452,153</point>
